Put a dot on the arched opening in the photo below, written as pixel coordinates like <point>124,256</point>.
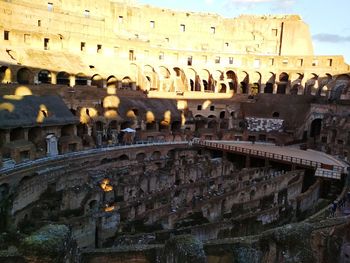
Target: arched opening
<point>296,87</point>
<point>194,80</point>
<point>17,134</point>
<point>82,129</point>
<point>163,126</point>
<point>283,83</point>
<point>44,76</point>
<point>24,76</point>
<point>223,88</point>
<point>63,78</point>
<point>99,126</point>
<point>341,88</point>
<point>255,78</point>
<point>255,89</point>
<point>276,114</point>
<point>150,75</point>
<point>310,85</point>
<point>140,157</point>
<point>294,90</point>
<point>232,80</point>
<point>123,157</point>
<point>113,125</point>
<point>67,130</point>
<point>97,81</point>
<point>164,72</point>
<point>323,85</point>
<point>177,72</point>
<point>222,114</point>
<point>151,126</point>
<point>125,124</point>
<point>224,125</point>
<point>112,82</point>
<point>35,136</point>
<point>205,84</point>
<point>213,124</point>
<point>5,75</point>
<point>127,83</point>
<point>245,84</point>
<point>156,155</point>
<point>315,129</point>
<point>207,80</point>
<point>81,79</point>
<point>270,83</point>
<point>200,122</point>
<point>218,75</point>
<point>176,126</point>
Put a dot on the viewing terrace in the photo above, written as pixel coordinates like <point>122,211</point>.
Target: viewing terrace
<point>325,165</point>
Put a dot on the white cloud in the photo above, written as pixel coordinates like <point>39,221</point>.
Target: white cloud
<point>251,1</point>
<point>331,38</point>
<point>209,2</point>
<point>282,2</point>
<point>275,5</point>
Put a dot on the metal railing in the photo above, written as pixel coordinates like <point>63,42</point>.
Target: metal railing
<point>82,153</point>
<point>280,157</point>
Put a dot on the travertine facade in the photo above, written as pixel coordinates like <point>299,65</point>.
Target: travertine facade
<point>164,52</point>
<point>105,109</point>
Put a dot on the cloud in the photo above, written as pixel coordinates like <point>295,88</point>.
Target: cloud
<point>208,2</point>
<point>331,38</point>
<point>251,1</point>
<point>280,2</point>
<point>275,5</point>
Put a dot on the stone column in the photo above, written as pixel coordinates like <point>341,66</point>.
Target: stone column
<point>99,138</point>
<point>274,91</point>
<point>53,78</point>
<point>89,131</point>
<point>25,133</point>
<point>302,83</point>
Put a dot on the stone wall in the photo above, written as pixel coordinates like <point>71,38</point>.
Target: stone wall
<point>147,43</point>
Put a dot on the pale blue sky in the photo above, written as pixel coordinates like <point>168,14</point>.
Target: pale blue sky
<point>329,20</point>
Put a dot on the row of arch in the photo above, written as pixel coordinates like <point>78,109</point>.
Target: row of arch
<point>218,81</point>
<point>27,76</point>
<point>139,156</point>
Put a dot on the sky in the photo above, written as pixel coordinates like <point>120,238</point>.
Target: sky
<point>329,20</point>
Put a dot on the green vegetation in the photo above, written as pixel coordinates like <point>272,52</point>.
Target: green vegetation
<point>50,240</point>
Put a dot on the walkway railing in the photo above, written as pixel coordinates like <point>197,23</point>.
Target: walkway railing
<point>43,160</point>
<point>323,170</point>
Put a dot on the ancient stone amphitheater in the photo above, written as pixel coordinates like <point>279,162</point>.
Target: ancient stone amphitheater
<point>131,133</point>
